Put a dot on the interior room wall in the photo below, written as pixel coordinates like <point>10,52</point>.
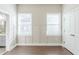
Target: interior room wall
<point>39,23</point>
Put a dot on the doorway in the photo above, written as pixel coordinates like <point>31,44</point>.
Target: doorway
<point>3,31</point>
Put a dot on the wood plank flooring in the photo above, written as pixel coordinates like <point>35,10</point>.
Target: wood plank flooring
<point>39,50</point>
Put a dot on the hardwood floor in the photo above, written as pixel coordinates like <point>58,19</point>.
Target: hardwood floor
<point>39,50</point>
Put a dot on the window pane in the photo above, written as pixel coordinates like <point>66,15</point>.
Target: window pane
<point>53,30</point>
<point>25,24</point>
<point>25,18</point>
<point>25,30</point>
<point>53,18</point>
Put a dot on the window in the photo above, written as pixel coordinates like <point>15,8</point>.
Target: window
<point>53,24</point>
<point>25,24</point>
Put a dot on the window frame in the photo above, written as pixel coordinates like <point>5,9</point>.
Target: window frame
<point>20,31</point>
<point>47,24</point>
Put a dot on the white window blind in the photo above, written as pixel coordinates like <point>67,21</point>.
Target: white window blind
<point>53,24</point>
<point>25,24</point>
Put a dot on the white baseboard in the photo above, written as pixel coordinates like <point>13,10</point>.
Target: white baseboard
<point>39,44</point>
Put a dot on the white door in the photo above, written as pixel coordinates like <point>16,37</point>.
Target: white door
<point>69,30</point>
<point>24,28</point>
<point>76,30</point>
<point>66,25</point>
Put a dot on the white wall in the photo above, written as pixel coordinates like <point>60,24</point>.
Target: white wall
<point>39,23</point>
<point>70,22</point>
<point>10,9</point>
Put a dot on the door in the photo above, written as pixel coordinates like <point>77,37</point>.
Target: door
<point>69,30</point>
<point>66,29</point>
<point>76,14</point>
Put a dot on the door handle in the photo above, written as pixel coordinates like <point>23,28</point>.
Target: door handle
<point>72,34</point>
